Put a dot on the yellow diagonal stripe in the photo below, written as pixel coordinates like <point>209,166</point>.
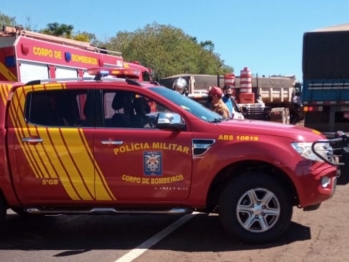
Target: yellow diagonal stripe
<point>24,131</point>
<point>21,131</point>
<point>103,191</point>
<point>54,149</point>
<point>76,161</point>
<point>7,73</point>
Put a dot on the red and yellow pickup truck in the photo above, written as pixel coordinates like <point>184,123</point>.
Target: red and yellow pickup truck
<point>87,146</point>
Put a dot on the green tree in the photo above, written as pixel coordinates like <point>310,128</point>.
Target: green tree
<point>57,29</point>
<point>66,31</point>
<point>86,37</point>
<point>168,51</point>
<point>6,20</point>
<point>207,45</point>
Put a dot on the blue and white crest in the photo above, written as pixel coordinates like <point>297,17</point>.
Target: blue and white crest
<point>152,162</point>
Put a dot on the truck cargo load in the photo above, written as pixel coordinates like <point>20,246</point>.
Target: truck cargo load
<point>275,93</point>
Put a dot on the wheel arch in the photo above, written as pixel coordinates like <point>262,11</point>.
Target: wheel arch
<point>235,170</point>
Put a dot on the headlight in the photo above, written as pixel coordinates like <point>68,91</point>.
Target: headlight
<point>323,149</point>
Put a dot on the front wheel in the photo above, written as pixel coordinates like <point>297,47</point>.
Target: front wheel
<point>255,208</point>
<point>3,209</point>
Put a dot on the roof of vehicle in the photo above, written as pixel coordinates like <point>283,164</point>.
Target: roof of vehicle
<point>110,76</point>
<point>325,53</point>
<point>88,80</point>
<point>340,27</point>
<point>18,31</point>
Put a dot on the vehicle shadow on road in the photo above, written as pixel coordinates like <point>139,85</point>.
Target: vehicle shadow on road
<point>205,233</point>
<point>78,234</point>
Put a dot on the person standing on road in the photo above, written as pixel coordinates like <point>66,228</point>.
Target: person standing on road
<point>217,104</point>
<point>227,99</point>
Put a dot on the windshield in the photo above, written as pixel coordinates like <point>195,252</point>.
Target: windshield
<point>188,104</point>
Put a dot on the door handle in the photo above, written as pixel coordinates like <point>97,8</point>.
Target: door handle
<point>32,140</point>
<point>111,142</point>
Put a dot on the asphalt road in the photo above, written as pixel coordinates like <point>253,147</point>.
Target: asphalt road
<point>321,235</point>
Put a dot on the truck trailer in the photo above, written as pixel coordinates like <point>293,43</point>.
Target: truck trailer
<point>325,91</point>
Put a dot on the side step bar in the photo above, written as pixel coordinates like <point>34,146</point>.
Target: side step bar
<point>57,211</point>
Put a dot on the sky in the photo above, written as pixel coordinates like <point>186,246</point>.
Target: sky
<point>263,35</point>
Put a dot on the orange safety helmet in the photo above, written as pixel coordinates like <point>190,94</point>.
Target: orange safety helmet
<point>215,91</point>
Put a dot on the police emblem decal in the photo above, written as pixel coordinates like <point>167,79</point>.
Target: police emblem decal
<point>152,162</point>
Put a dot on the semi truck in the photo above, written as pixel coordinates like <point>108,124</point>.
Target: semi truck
<point>26,56</point>
<point>325,90</point>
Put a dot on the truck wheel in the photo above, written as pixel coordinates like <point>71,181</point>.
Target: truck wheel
<point>255,208</point>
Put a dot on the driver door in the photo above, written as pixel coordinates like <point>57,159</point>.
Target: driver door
<point>141,164</point>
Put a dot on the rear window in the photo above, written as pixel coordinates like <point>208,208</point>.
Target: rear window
<point>57,108</point>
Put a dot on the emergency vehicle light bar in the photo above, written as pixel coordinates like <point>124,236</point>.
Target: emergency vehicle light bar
<point>117,72</point>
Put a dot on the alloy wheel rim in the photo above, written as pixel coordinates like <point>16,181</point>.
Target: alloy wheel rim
<point>258,210</point>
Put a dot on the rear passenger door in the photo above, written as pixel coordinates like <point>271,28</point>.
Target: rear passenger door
<point>52,130</point>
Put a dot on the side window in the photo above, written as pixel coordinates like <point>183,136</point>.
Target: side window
<point>126,109</point>
<point>59,108</point>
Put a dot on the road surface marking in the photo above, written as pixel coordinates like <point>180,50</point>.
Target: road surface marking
<point>138,251</point>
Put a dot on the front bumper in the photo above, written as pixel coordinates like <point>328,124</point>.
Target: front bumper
<point>317,206</point>
<point>318,183</point>
<point>317,180</point>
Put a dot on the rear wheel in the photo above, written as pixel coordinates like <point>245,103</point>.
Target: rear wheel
<point>20,211</point>
<point>255,208</point>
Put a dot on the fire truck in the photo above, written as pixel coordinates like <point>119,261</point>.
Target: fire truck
<point>27,56</point>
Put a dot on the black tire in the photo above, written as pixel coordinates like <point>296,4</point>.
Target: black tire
<point>275,214</point>
<point>20,211</point>
<point>3,209</point>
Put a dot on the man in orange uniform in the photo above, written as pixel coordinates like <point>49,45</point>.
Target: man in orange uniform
<point>217,104</point>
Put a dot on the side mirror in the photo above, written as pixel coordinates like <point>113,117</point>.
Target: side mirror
<point>170,121</point>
